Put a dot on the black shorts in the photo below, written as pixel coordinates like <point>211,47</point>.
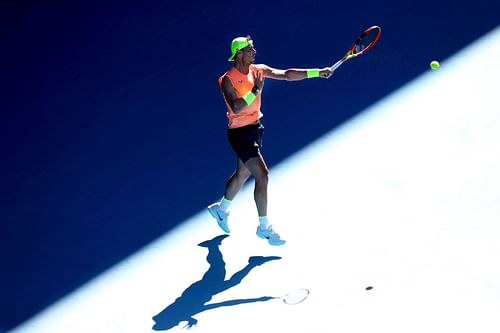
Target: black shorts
<point>246,141</point>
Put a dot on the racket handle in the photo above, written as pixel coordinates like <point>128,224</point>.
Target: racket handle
<point>336,65</point>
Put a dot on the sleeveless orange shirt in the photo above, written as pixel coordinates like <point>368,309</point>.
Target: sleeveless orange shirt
<point>242,84</point>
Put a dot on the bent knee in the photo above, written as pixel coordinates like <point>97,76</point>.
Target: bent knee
<point>262,177</point>
<point>243,175</point>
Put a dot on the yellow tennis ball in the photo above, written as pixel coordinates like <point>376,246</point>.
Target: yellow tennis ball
<point>434,64</point>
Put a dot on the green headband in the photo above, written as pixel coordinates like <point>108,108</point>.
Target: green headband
<point>238,44</point>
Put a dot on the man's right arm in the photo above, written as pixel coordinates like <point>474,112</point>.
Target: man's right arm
<point>236,103</point>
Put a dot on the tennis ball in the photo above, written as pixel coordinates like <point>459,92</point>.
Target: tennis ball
<point>434,64</point>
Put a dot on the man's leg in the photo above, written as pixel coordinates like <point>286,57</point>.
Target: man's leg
<point>219,210</point>
<point>236,181</point>
<point>260,172</point>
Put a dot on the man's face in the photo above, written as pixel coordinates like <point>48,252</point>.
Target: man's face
<point>248,54</point>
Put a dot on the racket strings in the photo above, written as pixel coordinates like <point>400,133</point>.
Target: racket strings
<point>366,40</point>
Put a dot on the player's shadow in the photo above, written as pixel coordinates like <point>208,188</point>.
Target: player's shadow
<point>195,298</point>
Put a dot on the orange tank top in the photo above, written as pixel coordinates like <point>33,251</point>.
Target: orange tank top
<point>242,84</point>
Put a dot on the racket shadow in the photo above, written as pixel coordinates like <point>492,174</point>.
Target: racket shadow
<point>195,298</point>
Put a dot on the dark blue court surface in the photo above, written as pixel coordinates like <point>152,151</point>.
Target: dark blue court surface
<point>113,127</point>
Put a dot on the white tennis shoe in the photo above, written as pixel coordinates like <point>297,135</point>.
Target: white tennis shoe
<point>220,216</point>
<point>271,235</point>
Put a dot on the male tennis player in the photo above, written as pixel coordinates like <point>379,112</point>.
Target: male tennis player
<point>241,87</point>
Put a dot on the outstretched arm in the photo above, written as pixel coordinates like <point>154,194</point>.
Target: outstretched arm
<point>295,74</point>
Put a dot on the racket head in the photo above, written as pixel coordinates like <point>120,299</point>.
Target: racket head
<point>365,41</point>
<point>295,297</point>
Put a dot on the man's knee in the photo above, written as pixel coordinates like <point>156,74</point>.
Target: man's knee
<point>243,175</point>
<point>262,177</point>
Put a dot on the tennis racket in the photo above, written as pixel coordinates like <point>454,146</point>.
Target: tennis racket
<point>294,297</point>
<point>363,43</point>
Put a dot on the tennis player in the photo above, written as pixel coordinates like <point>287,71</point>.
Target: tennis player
<point>242,87</point>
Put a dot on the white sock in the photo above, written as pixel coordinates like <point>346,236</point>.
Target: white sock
<point>224,204</point>
<point>264,223</point>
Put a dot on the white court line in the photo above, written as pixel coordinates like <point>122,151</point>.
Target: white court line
<point>405,198</point>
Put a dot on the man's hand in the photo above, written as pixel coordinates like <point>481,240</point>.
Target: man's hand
<point>258,81</point>
<point>325,72</point>
<point>191,322</point>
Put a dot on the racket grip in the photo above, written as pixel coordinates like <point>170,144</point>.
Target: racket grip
<point>336,65</point>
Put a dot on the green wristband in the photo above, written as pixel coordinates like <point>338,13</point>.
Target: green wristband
<point>312,73</point>
<point>249,97</point>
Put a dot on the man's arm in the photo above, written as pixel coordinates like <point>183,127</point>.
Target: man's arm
<point>293,74</point>
<point>237,103</point>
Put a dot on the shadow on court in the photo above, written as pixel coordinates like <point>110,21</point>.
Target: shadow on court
<point>195,298</point>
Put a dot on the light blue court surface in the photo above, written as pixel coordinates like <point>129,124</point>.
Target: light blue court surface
<point>404,197</point>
